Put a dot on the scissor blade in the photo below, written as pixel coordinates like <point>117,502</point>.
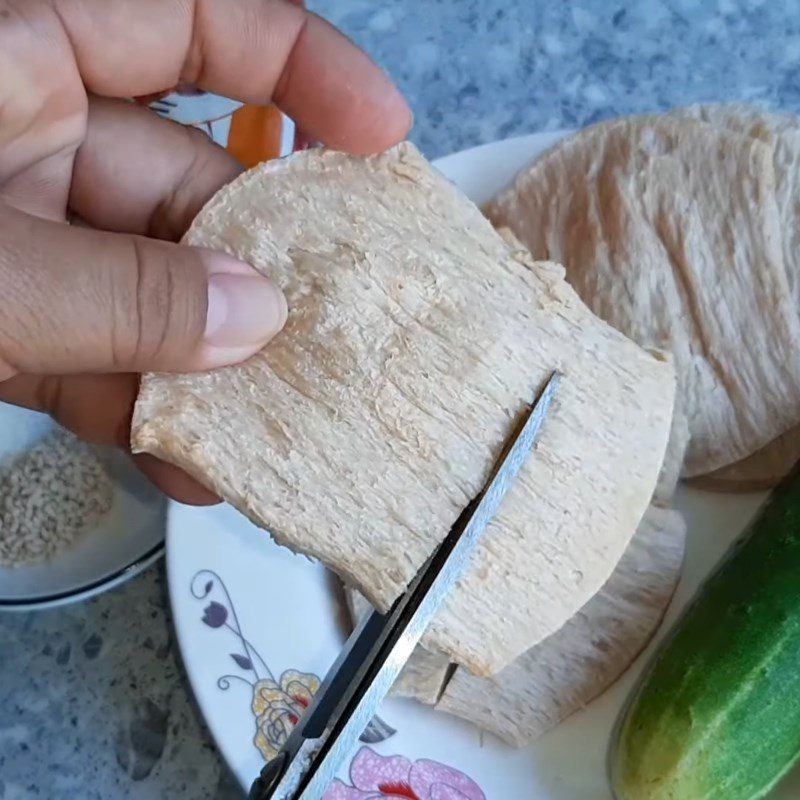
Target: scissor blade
<point>314,761</point>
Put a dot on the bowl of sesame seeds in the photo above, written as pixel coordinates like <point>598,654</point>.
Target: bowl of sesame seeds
<point>75,519</point>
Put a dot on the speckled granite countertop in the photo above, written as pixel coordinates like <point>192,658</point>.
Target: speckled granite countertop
<point>93,702</point>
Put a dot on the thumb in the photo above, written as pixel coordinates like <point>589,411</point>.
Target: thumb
<point>78,300</point>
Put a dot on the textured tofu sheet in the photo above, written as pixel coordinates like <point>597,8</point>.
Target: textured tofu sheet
<point>416,336</point>
<point>572,666</point>
<point>681,231</point>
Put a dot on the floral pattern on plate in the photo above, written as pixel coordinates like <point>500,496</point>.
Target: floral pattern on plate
<point>373,777</point>
<point>278,706</point>
<point>277,702</point>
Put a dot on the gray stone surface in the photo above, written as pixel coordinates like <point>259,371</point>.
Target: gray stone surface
<point>480,70</point>
<point>93,703</point>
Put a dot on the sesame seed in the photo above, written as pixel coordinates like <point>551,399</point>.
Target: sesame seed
<point>49,495</point>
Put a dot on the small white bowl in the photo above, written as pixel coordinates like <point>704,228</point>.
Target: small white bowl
<point>125,541</point>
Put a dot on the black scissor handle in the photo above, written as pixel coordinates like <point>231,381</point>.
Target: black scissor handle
<point>269,777</point>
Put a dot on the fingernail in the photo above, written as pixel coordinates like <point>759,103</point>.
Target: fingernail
<point>244,310</point>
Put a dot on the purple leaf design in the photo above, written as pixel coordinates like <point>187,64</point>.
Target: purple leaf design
<point>243,661</point>
<point>215,615</point>
<point>208,588</point>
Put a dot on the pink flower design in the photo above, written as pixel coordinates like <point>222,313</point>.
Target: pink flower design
<point>374,777</point>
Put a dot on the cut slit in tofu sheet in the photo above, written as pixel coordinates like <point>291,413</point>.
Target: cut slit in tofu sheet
<point>572,666</point>
<point>416,336</point>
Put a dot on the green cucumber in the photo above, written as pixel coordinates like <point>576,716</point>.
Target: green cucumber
<point>717,714</point>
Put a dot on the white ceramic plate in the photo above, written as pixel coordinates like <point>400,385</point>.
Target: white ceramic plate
<point>126,540</point>
<point>257,625</point>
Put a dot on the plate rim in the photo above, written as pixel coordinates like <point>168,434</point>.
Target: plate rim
<point>89,589</point>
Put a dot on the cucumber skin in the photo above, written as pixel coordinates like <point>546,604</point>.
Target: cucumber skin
<point>717,714</point>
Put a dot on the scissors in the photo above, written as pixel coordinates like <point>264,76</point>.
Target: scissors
<point>380,645</point>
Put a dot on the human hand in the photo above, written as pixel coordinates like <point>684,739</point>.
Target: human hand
<point>83,311</point>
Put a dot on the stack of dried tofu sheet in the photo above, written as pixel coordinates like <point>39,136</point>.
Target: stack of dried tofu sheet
<point>417,335</point>
<point>683,232</point>
<point>766,467</point>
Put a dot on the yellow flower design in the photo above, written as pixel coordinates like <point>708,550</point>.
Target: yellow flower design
<point>278,707</point>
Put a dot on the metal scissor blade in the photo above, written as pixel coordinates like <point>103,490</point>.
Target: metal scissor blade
<point>378,649</point>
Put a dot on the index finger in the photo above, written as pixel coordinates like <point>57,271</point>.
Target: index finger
<point>256,51</point>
